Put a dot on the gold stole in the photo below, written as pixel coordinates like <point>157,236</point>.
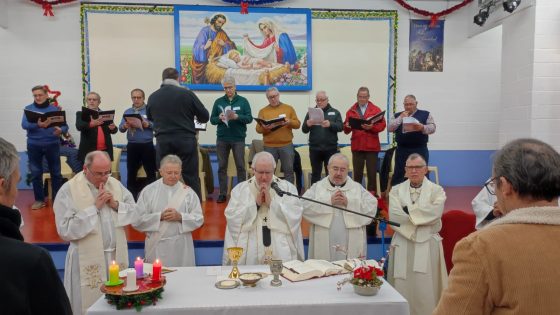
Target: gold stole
<point>93,269</point>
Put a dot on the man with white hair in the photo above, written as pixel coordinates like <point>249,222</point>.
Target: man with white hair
<point>168,212</point>
<point>91,210</point>
<point>417,266</point>
<point>264,224</point>
<point>334,234</point>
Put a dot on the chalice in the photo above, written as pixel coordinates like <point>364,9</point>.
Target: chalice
<point>234,253</point>
<point>276,269</point>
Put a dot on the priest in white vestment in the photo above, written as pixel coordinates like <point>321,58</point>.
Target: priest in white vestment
<point>265,225</point>
<point>168,212</point>
<point>333,233</point>
<point>91,210</point>
<point>417,265</point>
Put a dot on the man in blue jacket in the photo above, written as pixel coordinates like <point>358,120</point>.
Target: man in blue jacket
<point>42,141</point>
<point>140,148</point>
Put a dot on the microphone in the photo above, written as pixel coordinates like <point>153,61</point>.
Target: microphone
<point>279,192</point>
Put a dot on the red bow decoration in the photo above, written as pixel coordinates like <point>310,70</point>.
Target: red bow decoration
<point>433,16</point>
<point>48,9</point>
<point>244,7</point>
<point>48,5</point>
<point>56,94</point>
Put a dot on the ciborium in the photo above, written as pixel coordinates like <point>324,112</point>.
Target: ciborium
<point>276,269</point>
<point>234,253</point>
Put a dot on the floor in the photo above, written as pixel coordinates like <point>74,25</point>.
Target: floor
<point>40,227</point>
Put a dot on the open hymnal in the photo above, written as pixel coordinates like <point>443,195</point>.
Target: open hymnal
<point>408,124</point>
<point>279,119</point>
<point>356,123</point>
<point>316,115</point>
<point>198,125</point>
<point>107,116</point>
<point>296,270</point>
<point>226,111</point>
<point>55,118</point>
<point>351,264</point>
<point>134,120</point>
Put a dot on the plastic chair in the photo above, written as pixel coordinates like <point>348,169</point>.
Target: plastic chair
<point>434,169</point>
<point>232,169</point>
<point>65,171</point>
<point>456,225</point>
<point>305,165</point>
<point>202,177</point>
<point>115,164</point>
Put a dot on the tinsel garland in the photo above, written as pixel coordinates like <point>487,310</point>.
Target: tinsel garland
<point>47,5</point>
<point>433,16</point>
<point>134,300</point>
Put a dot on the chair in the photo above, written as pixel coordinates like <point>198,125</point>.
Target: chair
<point>141,173</point>
<point>115,165</point>
<point>434,169</point>
<point>65,171</point>
<point>305,165</point>
<point>202,177</point>
<point>232,169</point>
<point>347,152</point>
<point>456,224</point>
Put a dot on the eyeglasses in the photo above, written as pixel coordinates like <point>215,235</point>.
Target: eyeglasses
<point>263,172</point>
<point>137,97</point>
<point>100,174</point>
<point>415,167</point>
<point>229,87</point>
<point>321,99</point>
<point>272,96</point>
<point>92,99</point>
<point>490,186</point>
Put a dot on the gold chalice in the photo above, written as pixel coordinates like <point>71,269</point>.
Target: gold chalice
<point>234,253</point>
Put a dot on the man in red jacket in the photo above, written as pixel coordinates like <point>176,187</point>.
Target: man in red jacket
<point>365,140</point>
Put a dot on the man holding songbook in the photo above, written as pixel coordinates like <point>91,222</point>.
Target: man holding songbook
<point>411,127</point>
<point>140,148</point>
<point>43,141</point>
<point>365,137</point>
<point>95,129</point>
<point>416,265</point>
<point>278,135</point>
<point>264,224</point>
<point>333,233</point>
<point>323,134</point>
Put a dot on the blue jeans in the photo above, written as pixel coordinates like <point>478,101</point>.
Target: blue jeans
<point>51,152</point>
<point>71,155</point>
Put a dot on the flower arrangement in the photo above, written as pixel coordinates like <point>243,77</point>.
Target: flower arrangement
<point>367,276</point>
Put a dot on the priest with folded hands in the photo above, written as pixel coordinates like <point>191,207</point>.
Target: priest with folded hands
<point>264,224</point>
<point>168,212</point>
<point>333,233</point>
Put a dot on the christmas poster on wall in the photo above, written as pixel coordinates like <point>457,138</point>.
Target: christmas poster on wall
<point>426,46</point>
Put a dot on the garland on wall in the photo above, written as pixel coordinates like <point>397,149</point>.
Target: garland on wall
<point>48,5</point>
<point>433,16</point>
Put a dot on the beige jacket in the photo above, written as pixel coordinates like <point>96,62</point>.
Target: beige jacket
<point>512,266</point>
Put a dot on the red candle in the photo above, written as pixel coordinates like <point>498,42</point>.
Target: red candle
<point>156,273</point>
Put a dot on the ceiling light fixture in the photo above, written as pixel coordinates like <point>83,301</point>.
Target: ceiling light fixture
<point>511,5</point>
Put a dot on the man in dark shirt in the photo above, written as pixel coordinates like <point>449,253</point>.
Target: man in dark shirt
<point>173,109</point>
<point>30,283</point>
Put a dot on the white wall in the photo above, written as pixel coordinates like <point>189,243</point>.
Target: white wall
<point>464,99</point>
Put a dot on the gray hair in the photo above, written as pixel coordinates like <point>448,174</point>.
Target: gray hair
<point>95,93</point>
<point>9,161</point>
<point>410,96</point>
<point>363,88</point>
<point>263,155</point>
<point>170,159</point>
<point>228,80</point>
<point>92,155</point>
<point>322,93</point>
<point>339,156</point>
<point>272,89</point>
<point>531,166</point>
<point>416,156</point>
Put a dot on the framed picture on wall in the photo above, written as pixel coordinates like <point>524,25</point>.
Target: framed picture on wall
<point>267,47</point>
<point>426,46</point>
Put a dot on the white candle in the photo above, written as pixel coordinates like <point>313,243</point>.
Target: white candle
<point>131,279</point>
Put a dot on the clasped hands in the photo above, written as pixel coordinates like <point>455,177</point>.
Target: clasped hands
<point>338,198</point>
<point>170,214</point>
<point>263,197</point>
<point>105,197</point>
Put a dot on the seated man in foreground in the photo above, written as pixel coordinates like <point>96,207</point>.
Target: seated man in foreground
<point>91,210</point>
<point>168,212</point>
<point>511,266</point>
<point>334,234</point>
<point>417,266</point>
<point>265,225</point>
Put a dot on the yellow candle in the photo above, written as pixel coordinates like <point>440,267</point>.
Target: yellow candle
<point>113,273</point>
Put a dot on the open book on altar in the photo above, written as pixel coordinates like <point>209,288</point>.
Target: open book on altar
<point>296,270</point>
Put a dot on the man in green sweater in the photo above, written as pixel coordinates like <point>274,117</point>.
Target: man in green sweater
<point>231,113</point>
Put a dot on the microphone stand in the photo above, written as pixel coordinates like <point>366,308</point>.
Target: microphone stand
<point>281,192</point>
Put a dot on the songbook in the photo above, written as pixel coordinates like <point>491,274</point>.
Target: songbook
<point>408,124</point>
<point>356,123</point>
<point>296,270</point>
<point>55,118</point>
<point>226,111</point>
<point>134,120</point>
<point>107,116</point>
<point>272,121</point>
<point>198,125</point>
<point>316,115</point>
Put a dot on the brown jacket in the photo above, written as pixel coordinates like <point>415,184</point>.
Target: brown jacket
<point>512,266</point>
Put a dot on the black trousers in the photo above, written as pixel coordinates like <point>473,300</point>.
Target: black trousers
<point>140,154</point>
<point>186,149</point>
<point>401,154</point>
<point>319,160</point>
<point>369,160</point>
